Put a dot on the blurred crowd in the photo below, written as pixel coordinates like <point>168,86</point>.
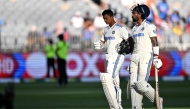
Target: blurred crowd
<point>173,29</point>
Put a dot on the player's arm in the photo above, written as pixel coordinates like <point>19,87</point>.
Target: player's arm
<point>131,43</point>
<point>127,45</point>
<point>153,37</point>
<point>127,36</point>
<point>157,62</point>
<point>155,46</point>
<point>100,44</point>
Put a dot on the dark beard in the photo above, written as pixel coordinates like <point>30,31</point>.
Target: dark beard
<point>134,20</point>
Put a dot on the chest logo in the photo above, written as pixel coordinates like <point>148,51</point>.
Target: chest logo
<point>154,31</point>
<point>142,29</point>
<point>113,32</point>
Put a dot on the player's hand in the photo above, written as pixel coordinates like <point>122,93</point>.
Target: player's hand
<point>157,62</point>
<point>98,45</point>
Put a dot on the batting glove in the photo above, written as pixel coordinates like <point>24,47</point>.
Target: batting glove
<point>157,62</point>
<point>98,45</point>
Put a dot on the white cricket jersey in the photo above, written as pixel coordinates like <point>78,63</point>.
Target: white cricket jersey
<point>113,36</point>
<point>141,35</point>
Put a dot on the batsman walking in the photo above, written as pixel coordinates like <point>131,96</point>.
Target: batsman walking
<point>146,51</point>
<point>112,35</point>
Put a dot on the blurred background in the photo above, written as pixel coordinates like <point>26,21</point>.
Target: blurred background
<point>26,25</point>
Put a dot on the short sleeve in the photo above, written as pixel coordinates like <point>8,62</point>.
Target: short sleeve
<point>124,33</point>
<point>133,30</point>
<point>152,30</point>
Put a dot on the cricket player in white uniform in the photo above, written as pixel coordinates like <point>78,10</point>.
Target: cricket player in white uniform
<point>145,51</point>
<point>113,35</point>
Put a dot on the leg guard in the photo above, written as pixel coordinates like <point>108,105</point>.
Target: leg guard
<point>146,89</point>
<point>109,90</point>
<point>136,99</point>
<point>136,96</point>
<point>118,90</point>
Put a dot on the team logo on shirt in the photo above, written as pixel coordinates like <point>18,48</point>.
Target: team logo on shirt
<point>142,29</point>
<point>129,35</point>
<point>113,32</point>
<point>154,31</point>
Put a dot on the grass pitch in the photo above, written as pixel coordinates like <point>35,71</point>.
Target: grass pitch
<point>77,95</point>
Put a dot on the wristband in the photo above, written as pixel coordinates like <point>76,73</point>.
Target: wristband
<point>156,50</point>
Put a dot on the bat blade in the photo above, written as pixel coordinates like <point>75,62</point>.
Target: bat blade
<point>157,96</point>
<point>157,90</point>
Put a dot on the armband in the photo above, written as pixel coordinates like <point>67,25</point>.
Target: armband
<point>156,50</point>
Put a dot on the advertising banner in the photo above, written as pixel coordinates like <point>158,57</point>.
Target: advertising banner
<point>84,64</point>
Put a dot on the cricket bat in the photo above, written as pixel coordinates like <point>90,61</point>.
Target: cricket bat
<point>157,90</point>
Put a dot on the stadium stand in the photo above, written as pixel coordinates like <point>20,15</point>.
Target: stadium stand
<point>19,16</point>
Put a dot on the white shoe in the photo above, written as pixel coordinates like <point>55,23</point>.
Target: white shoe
<point>161,103</point>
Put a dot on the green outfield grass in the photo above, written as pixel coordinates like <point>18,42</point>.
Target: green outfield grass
<point>77,95</point>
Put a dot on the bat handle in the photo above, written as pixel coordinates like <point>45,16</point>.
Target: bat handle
<point>156,74</point>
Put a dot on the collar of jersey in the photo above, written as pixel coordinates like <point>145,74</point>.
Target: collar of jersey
<point>141,23</point>
<point>112,26</point>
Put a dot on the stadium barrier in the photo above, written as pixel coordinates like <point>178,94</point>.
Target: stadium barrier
<point>85,65</point>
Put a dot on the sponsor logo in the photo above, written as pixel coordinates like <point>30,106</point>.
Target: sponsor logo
<point>138,35</point>
<point>110,38</point>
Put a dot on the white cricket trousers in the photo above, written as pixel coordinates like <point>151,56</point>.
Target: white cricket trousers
<point>140,66</point>
<point>110,80</point>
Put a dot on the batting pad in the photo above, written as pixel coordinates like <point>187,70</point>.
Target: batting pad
<point>146,89</point>
<point>118,90</point>
<point>136,99</point>
<point>109,90</point>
